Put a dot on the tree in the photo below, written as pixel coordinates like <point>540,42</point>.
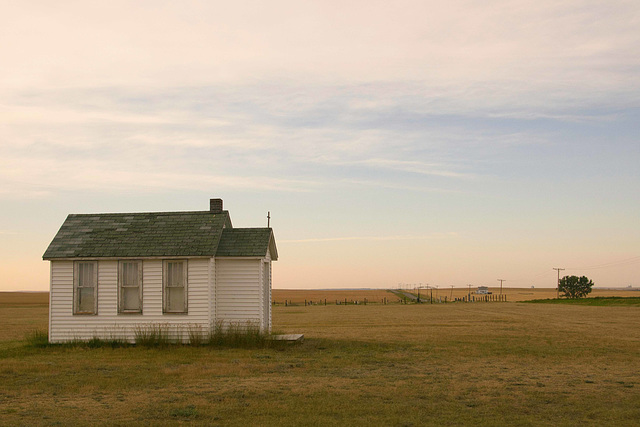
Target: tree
<point>575,287</point>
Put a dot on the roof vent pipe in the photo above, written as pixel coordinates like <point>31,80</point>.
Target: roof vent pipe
<point>215,205</point>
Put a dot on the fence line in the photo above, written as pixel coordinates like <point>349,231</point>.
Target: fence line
<point>401,300</point>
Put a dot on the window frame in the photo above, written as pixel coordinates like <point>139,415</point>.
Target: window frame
<point>77,287</point>
<point>165,281</point>
<point>121,309</point>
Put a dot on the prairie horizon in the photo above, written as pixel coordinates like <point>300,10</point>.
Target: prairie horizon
<point>373,295</point>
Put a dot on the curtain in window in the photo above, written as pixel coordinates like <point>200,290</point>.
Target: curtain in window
<point>174,286</point>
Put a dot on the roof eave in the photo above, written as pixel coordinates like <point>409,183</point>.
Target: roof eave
<point>273,250</point>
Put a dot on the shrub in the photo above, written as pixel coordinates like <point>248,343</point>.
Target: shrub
<point>575,287</point>
<point>151,335</point>
<point>95,342</point>
<point>238,334</point>
<point>196,335</point>
<point>38,338</point>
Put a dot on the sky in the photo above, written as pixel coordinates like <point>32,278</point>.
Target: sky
<point>405,142</point>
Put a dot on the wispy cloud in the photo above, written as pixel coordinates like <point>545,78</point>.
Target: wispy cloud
<point>40,177</point>
<point>410,166</point>
<point>536,48</point>
<point>373,238</point>
<point>396,186</point>
<point>284,137</point>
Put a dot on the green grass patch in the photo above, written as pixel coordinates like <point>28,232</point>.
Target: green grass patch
<point>37,338</point>
<point>597,301</point>
<point>186,412</point>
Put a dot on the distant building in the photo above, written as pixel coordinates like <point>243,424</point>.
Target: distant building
<point>483,290</point>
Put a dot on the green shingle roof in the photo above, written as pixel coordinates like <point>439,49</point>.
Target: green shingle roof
<point>246,242</point>
<point>139,235</point>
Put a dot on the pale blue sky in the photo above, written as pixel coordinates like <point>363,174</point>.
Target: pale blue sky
<point>393,143</point>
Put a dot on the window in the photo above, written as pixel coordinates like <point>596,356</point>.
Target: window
<point>175,286</point>
<point>85,287</point>
<point>130,286</point>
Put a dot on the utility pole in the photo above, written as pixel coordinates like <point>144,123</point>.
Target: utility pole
<point>451,292</point>
<point>469,296</point>
<point>268,219</point>
<point>558,288</point>
<point>501,280</point>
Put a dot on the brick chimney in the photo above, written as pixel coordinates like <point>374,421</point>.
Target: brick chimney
<point>215,205</point>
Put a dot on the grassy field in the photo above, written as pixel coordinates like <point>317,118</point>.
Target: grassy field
<point>298,296</point>
<point>399,365</point>
<point>597,301</point>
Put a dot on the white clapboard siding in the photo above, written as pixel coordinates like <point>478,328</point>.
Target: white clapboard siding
<point>61,298</point>
<point>212,290</point>
<point>268,291</point>
<point>266,296</point>
<point>238,296</point>
<point>65,326</point>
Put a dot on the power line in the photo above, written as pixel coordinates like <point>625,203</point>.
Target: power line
<point>620,263</point>
<point>624,262</point>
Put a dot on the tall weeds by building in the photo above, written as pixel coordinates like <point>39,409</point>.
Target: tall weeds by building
<point>220,334</point>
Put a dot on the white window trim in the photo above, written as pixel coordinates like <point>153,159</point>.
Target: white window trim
<point>121,310</point>
<point>165,294</point>
<point>76,293</point>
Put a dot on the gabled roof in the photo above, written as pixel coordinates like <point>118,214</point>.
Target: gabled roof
<point>171,234</point>
<point>247,242</point>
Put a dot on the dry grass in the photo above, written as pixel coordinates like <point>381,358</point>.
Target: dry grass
<point>15,324</point>
<point>520,294</point>
<point>21,298</point>
<point>398,365</point>
<point>298,296</point>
